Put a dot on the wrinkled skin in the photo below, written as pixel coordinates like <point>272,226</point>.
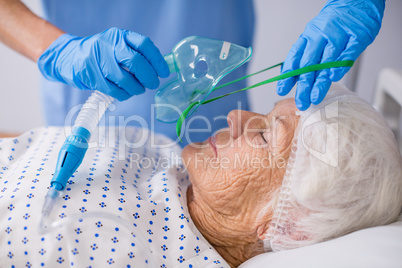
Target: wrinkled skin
<point>235,184</point>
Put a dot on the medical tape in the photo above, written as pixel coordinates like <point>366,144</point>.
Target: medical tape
<point>311,68</point>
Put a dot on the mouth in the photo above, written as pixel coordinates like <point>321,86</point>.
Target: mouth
<point>212,143</point>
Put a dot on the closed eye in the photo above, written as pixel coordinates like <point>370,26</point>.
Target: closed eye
<point>262,136</point>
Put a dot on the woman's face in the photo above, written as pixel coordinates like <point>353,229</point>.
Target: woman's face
<point>240,167</point>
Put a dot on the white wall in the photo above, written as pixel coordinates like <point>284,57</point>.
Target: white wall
<point>279,23</point>
<point>386,50</point>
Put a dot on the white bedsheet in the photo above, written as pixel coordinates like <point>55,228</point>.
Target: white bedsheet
<point>113,200</point>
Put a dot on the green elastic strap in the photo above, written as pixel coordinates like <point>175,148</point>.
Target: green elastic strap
<point>307,69</point>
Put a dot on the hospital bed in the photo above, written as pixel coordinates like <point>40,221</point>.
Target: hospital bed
<point>388,99</point>
<point>369,248</point>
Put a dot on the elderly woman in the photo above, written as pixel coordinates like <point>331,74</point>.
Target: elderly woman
<point>273,182</point>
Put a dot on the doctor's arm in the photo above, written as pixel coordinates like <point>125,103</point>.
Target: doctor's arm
<point>341,31</point>
<point>23,31</point>
<point>116,62</point>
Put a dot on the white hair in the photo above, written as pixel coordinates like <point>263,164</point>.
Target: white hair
<point>344,174</point>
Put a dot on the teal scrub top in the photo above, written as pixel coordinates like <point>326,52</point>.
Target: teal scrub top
<point>166,23</point>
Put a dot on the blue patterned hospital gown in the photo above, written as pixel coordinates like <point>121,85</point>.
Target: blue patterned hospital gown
<point>124,207</point>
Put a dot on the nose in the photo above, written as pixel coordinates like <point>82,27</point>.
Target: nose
<point>236,121</point>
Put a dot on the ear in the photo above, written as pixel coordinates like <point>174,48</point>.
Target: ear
<point>262,230</point>
<point>288,232</point>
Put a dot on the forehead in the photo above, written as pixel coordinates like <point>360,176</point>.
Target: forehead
<point>283,111</point>
<point>290,102</point>
<point>286,106</point>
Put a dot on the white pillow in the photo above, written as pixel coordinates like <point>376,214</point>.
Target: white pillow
<point>369,248</point>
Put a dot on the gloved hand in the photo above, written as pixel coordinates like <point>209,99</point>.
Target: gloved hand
<point>116,62</point>
<point>341,31</point>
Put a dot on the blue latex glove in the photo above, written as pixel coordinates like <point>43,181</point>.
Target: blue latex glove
<point>341,31</point>
<point>116,62</point>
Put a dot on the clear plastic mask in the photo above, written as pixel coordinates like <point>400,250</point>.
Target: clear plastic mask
<point>200,63</point>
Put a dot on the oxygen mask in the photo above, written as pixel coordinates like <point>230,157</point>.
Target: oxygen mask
<point>200,63</point>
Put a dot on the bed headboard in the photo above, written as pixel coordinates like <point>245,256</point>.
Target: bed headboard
<point>388,99</point>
